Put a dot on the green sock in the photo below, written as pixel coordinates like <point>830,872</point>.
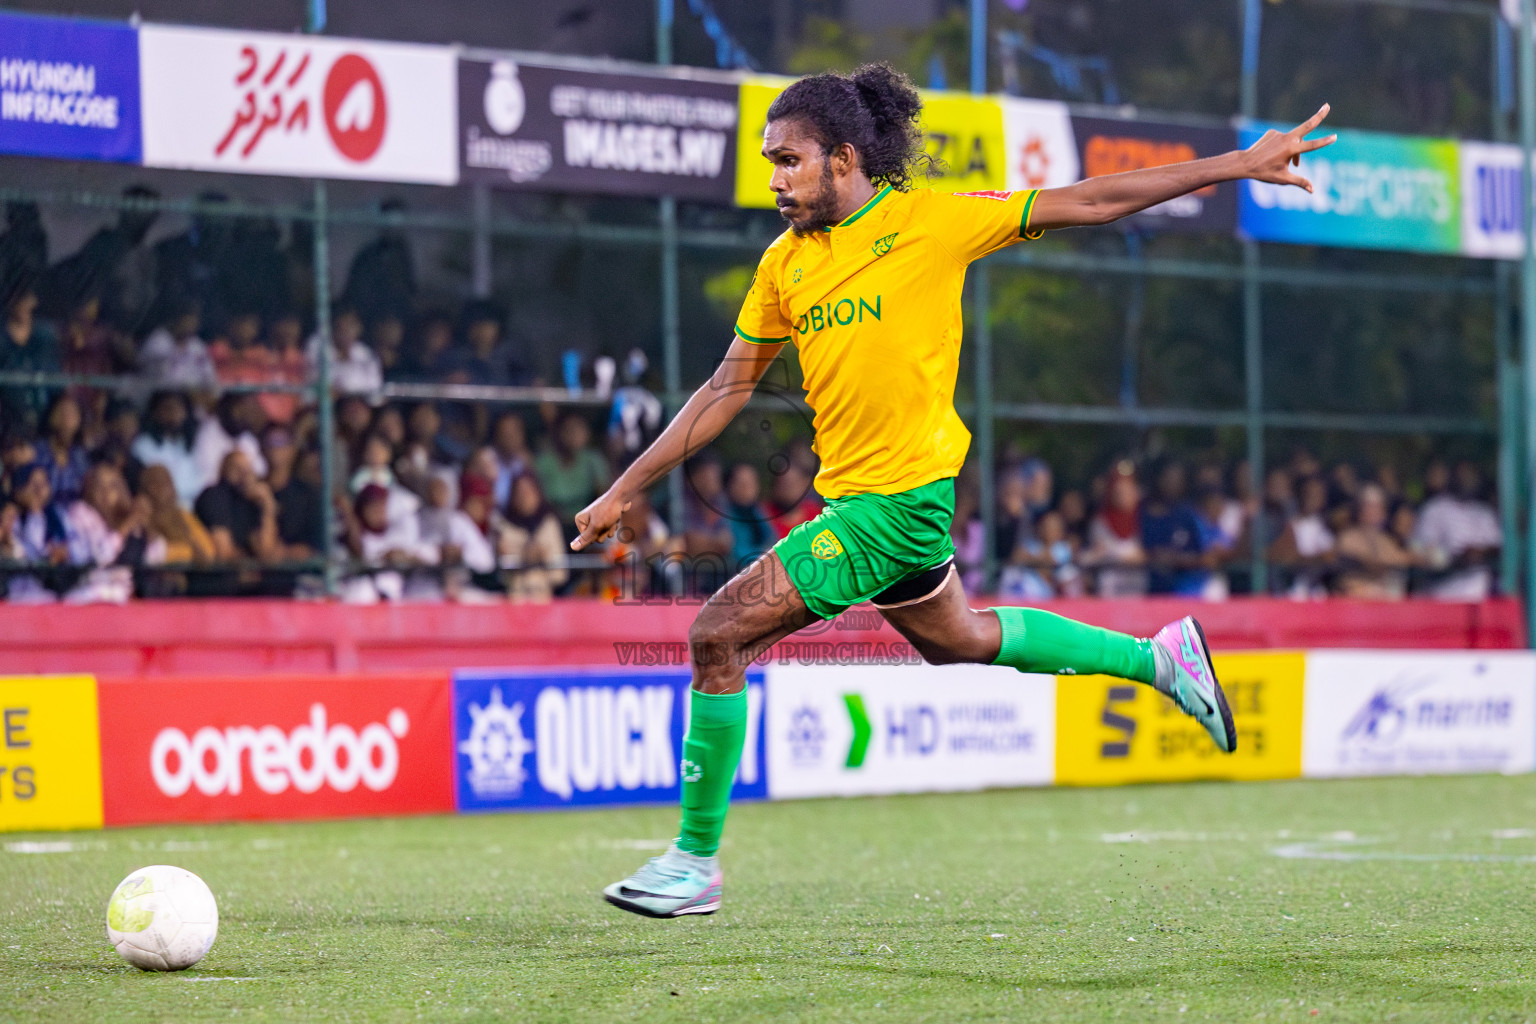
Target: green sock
<point>1042,641</point>
<point>717,728</point>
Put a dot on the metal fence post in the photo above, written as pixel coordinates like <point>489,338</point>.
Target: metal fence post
<point>333,554</point>
<point>671,349</point>
<point>1528,293</point>
<point>981,297</point>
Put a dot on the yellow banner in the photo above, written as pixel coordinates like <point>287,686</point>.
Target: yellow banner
<point>1110,731</point>
<point>50,753</point>
<point>964,131</point>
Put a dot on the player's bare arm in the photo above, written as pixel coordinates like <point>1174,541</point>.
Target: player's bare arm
<point>709,411</point>
<point>1113,196</point>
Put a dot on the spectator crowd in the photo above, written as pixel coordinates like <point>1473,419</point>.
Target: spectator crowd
<point>200,469</point>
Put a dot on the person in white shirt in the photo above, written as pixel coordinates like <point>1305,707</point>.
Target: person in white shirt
<point>1460,531</point>
<point>462,549</point>
<point>167,441</point>
<point>108,536</point>
<point>233,425</point>
<point>174,356</point>
<point>392,548</point>
<point>355,369</point>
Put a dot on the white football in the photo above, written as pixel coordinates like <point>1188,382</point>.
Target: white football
<point>162,918</point>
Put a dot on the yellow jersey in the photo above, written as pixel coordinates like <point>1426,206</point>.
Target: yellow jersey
<point>874,307</point>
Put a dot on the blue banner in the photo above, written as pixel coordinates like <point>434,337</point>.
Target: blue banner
<point>69,89</point>
<point>552,738</point>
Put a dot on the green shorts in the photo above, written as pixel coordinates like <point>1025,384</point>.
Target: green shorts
<point>862,545</point>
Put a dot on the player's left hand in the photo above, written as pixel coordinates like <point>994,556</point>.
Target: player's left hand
<point>1275,153</point>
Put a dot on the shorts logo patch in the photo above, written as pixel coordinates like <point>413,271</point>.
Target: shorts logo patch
<point>883,245</point>
<point>826,546</point>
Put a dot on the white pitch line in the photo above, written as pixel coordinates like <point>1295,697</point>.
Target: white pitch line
<point>53,846</point>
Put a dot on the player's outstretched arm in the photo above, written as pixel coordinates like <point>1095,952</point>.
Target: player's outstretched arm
<point>700,421</point>
<point>1112,196</point>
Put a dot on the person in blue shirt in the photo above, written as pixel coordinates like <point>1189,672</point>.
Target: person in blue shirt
<point>1171,534</point>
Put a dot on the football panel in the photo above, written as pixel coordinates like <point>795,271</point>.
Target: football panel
<point>143,959</point>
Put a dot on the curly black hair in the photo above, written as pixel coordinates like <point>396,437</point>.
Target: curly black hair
<point>875,110</point>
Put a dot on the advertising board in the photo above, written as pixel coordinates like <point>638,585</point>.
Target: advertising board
<point>69,89</point>
<point>50,762</point>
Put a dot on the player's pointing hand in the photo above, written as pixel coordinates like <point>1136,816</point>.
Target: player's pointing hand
<point>1275,153</point>
<point>598,520</point>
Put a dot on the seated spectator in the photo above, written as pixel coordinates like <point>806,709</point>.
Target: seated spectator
<point>353,418</point>
<point>532,543</point>
<point>1114,537</point>
<point>16,450</point>
<point>175,356</point>
<point>422,455</point>
<point>1209,510</point>
<point>476,500</point>
<point>27,345</point>
<point>168,439</point>
<point>1276,511</point>
<point>40,536</point>
<point>234,425</point>
<point>428,359</point>
<point>485,356</point>
<point>388,423</point>
<point>91,348</point>
<point>60,451</point>
<point>1074,516</point>
<point>355,369</point>
<point>375,466</point>
<point>109,536</point>
<point>186,539</point>
<point>1039,487</point>
<point>509,441</point>
<point>791,501</point>
<point>1461,532</point>
<point>1373,564</point>
<point>572,472</point>
<point>967,532</point>
<point>647,559</point>
<point>379,543</point>
<point>1014,522</point>
<point>241,515</point>
<point>462,548</point>
<point>1043,564</point>
<point>386,337</point>
<point>299,493</point>
<point>1171,535</point>
<point>750,530</point>
<point>707,537</point>
<point>237,353</point>
<point>286,364</point>
<point>1305,547</point>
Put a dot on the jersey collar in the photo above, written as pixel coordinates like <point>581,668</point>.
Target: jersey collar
<point>861,211</point>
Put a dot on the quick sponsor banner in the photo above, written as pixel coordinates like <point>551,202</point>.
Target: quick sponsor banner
<point>1490,201</point>
<point>263,103</point>
<point>527,126</point>
<point>50,763</point>
<point>564,739</point>
<point>322,746</point>
<point>965,132</point>
<point>1113,731</point>
<point>1038,146</point>
<point>1370,191</point>
<point>1109,146</point>
<point>1419,713</point>
<point>848,730</point>
<point>69,89</point>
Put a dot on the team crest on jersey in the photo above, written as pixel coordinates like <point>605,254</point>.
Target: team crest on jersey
<point>826,546</point>
<point>798,272</point>
<point>883,245</point>
<point>989,193</point>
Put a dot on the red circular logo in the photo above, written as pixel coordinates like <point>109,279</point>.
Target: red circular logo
<point>355,108</point>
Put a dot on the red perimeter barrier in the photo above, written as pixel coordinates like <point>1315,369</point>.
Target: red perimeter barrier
<point>232,637</point>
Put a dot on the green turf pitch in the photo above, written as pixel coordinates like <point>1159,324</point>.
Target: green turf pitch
<point>1394,899</point>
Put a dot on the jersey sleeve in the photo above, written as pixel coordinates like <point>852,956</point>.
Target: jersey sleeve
<point>973,224</point>
<point>762,320</point>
